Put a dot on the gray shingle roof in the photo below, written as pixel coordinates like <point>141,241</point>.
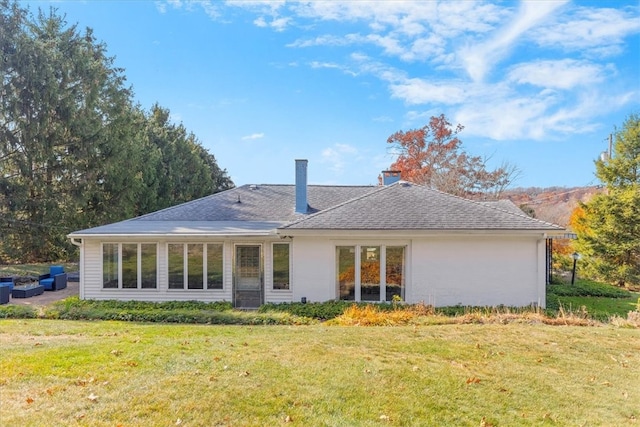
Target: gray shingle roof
<point>406,206</point>
<point>265,202</point>
<point>261,209</point>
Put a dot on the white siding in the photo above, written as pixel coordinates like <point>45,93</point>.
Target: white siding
<point>91,286</point>
<point>440,270</point>
<point>476,271</point>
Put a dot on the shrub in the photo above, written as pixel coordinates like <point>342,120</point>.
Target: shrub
<point>587,288</point>
<point>17,312</point>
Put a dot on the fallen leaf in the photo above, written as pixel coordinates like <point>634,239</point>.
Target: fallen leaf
<point>244,374</point>
<point>29,400</point>
<point>37,344</point>
<point>116,352</point>
<point>473,380</point>
<point>485,423</point>
<point>92,397</point>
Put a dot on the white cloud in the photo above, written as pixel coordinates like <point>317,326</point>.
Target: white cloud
<point>479,59</point>
<point>419,91</point>
<point>560,74</point>
<point>253,136</point>
<point>337,156</point>
<point>589,30</point>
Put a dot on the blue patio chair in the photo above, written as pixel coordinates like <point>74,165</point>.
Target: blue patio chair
<point>55,280</point>
<point>8,281</point>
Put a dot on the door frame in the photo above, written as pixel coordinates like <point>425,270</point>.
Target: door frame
<point>236,301</point>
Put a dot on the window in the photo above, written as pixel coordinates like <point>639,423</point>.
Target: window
<point>195,266</point>
<point>214,266</point>
<point>129,265</point>
<point>192,265</point>
<point>281,266</point>
<point>110,265</point>
<point>394,282</point>
<point>176,266</point>
<point>377,274</point>
<point>370,273</point>
<point>346,268</point>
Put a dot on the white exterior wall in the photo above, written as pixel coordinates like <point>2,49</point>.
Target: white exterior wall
<point>440,270</point>
<point>91,273</point>
<point>477,271</point>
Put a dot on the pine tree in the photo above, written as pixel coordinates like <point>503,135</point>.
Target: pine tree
<point>608,227</point>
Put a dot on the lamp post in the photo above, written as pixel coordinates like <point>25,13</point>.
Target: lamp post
<point>576,257</point>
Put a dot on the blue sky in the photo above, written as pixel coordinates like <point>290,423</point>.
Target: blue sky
<point>537,84</point>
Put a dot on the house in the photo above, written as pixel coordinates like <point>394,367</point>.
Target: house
<point>283,243</point>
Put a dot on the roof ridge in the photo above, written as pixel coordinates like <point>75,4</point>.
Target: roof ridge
<point>374,189</point>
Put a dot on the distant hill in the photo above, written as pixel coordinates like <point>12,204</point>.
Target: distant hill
<point>553,204</point>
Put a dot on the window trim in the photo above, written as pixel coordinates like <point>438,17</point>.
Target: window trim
<point>138,266</point>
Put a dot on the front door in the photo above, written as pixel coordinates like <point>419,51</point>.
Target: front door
<point>248,277</point>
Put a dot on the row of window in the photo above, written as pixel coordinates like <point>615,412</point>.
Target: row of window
<point>364,273</point>
<point>190,265</point>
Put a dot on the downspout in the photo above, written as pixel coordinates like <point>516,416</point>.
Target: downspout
<point>542,271</point>
<point>80,244</point>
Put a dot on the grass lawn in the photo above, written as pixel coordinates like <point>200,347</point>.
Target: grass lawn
<point>131,374</point>
<point>600,307</point>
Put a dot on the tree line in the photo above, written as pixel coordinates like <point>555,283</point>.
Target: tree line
<point>76,151</point>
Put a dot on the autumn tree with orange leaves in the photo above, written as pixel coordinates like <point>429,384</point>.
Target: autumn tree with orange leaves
<point>433,156</point>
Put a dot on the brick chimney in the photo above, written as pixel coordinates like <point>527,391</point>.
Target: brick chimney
<point>302,206</point>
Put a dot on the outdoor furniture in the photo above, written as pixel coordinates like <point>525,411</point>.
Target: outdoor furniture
<point>55,280</point>
<point>8,281</point>
<point>27,291</point>
<point>5,291</point>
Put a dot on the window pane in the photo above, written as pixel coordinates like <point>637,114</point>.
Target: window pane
<point>281,266</point>
<point>214,266</point>
<point>149,265</point>
<point>370,273</point>
<point>176,266</point>
<point>110,265</point>
<point>130,265</point>
<point>395,272</point>
<point>346,269</point>
<point>195,269</point>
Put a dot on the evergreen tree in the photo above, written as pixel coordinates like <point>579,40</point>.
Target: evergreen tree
<point>608,226</point>
<point>75,152</point>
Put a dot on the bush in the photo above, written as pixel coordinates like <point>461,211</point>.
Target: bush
<point>587,288</point>
<point>320,310</point>
<point>17,312</point>
<point>170,312</point>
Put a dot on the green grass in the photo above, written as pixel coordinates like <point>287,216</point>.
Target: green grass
<point>598,301</point>
<point>115,373</point>
<point>33,269</point>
